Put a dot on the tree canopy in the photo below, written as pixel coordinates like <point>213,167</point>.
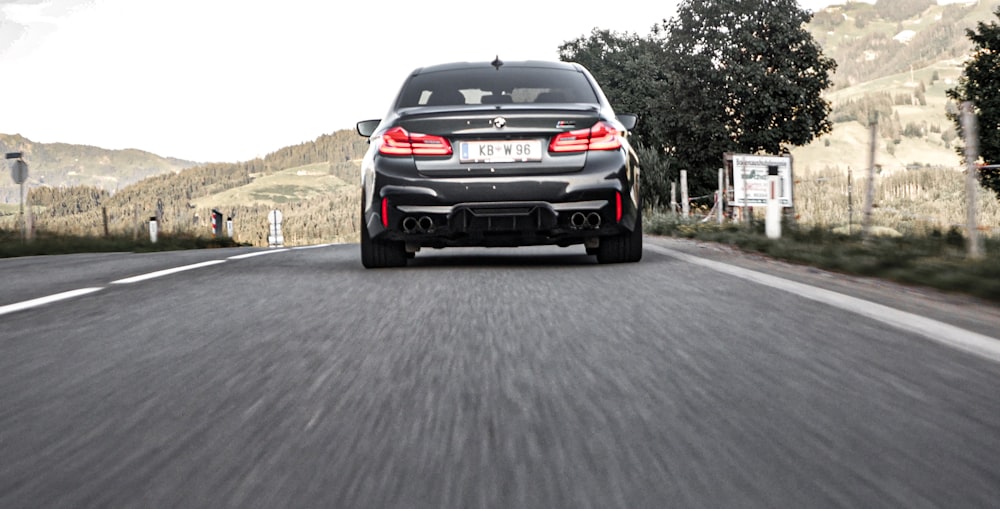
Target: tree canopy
<point>721,76</point>
<point>979,85</point>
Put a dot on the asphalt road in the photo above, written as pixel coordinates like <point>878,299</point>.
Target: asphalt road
<point>483,379</point>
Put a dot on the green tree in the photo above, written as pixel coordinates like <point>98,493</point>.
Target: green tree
<point>630,71</point>
<point>721,76</point>
<point>753,77</point>
<point>979,85</point>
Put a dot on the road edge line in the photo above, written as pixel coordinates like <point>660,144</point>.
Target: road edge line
<point>956,337</point>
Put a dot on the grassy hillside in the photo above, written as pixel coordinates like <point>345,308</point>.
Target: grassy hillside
<point>911,59</point>
<point>872,41</point>
<point>319,203</point>
<point>848,145</point>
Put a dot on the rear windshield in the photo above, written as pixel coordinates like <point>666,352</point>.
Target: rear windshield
<point>509,85</point>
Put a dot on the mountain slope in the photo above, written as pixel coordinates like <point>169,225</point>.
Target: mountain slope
<point>61,164</point>
<point>900,66</point>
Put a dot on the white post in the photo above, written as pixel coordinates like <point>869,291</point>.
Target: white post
<point>152,229</point>
<point>974,246</point>
<point>673,198</point>
<point>720,201</point>
<point>685,202</point>
<point>772,219</point>
<point>274,237</point>
<point>229,227</point>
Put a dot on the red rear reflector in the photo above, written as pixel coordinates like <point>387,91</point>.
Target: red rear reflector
<point>618,207</point>
<point>385,212</point>
<point>400,142</point>
<point>602,136</point>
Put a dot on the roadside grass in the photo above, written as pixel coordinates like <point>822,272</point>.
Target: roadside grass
<point>937,259</point>
<point>46,243</point>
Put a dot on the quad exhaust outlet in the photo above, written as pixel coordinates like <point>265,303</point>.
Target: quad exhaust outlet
<point>423,224</point>
<point>580,220</point>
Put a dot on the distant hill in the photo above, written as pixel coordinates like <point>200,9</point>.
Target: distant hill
<point>897,57</point>
<point>314,183</point>
<point>872,41</point>
<point>63,165</point>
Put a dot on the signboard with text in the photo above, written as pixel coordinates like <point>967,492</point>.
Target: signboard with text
<point>751,184</point>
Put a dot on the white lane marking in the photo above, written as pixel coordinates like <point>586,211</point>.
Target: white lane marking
<point>41,301</point>
<point>28,304</point>
<point>313,247</point>
<point>955,337</point>
<point>161,273</point>
<point>258,253</point>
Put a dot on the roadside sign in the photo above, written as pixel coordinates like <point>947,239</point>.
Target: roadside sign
<point>19,171</point>
<point>751,180</point>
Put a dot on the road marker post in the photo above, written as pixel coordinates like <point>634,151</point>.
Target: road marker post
<point>772,218</point>
<point>153,229</point>
<point>274,236</point>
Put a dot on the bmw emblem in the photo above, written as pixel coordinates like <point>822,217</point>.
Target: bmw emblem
<point>499,122</point>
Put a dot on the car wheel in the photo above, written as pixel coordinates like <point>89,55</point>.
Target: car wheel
<point>377,253</point>
<point>623,248</point>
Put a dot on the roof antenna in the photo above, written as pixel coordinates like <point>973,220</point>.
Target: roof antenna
<point>496,62</point>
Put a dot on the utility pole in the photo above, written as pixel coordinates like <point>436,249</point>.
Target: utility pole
<point>866,222</point>
<point>973,245</point>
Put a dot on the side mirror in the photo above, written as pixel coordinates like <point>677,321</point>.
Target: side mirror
<point>628,120</point>
<point>367,127</point>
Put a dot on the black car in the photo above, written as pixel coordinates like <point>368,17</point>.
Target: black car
<point>499,154</point>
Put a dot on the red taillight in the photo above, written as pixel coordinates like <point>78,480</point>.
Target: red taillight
<point>571,141</point>
<point>618,207</point>
<point>400,142</point>
<point>602,136</point>
<point>385,212</point>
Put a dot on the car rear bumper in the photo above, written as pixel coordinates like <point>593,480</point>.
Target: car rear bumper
<point>420,219</point>
<point>503,210</point>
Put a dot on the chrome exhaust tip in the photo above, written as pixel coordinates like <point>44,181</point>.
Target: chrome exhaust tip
<point>425,224</point>
<point>410,225</point>
<point>594,220</point>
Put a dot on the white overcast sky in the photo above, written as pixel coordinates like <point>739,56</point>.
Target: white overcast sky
<point>230,80</point>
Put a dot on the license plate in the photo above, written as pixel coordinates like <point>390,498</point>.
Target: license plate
<point>500,151</point>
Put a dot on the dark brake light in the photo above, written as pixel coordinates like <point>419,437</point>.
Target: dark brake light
<point>602,136</point>
<point>400,142</point>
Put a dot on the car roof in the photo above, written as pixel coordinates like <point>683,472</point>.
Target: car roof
<point>544,64</point>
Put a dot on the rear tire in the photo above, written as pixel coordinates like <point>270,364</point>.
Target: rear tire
<point>622,248</point>
<point>377,254</point>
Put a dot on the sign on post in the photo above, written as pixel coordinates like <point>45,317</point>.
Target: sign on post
<point>216,223</point>
<point>752,182</point>
<point>19,171</point>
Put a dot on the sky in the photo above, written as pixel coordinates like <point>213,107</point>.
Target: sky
<point>231,80</point>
